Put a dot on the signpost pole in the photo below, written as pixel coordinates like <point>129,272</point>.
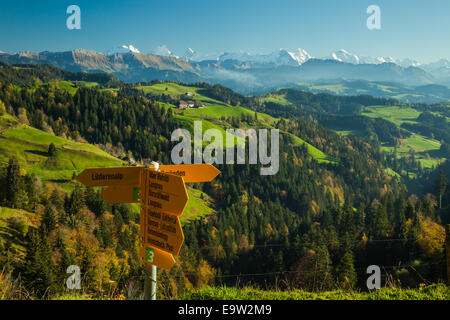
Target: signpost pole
<point>154,268</point>
<point>150,282</point>
<point>153,286</point>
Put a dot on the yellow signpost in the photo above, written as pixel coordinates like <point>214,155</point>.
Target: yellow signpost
<point>162,195</point>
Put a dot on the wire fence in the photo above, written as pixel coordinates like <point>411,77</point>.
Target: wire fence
<point>311,271</point>
<point>251,246</point>
<point>287,272</point>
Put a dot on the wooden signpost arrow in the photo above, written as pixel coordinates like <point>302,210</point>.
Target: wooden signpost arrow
<point>157,257</point>
<point>129,193</point>
<point>165,192</point>
<point>121,194</point>
<point>192,172</point>
<point>164,231</point>
<point>96,177</point>
<point>117,176</point>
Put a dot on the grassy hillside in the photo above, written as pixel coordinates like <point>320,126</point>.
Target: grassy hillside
<point>417,144</point>
<point>215,111</point>
<point>395,114</point>
<point>421,94</point>
<point>277,98</point>
<point>317,154</point>
<point>199,205</point>
<point>424,148</point>
<point>66,85</point>
<point>30,146</point>
<point>14,225</point>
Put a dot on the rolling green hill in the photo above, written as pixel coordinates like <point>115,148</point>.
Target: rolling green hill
<point>419,145</point>
<point>213,109</point>
<point>422,94</point>
<point>199,205</point>
<point>395,114</point>
<point>423,145</point>
<point>214,113</point>
<point>14,224</point>
<point>30,146</point>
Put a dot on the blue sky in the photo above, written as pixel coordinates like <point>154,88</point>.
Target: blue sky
<point>409,28</point>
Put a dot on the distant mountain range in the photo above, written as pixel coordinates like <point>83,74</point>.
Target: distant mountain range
<point>251,73</point>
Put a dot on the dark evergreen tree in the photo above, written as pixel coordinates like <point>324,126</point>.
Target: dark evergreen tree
<point>51,150</point>
<point>440,185</point>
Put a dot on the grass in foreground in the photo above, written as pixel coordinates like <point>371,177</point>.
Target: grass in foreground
<point>432,292</point>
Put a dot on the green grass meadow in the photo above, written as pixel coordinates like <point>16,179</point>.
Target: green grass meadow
<point>432,292</point>
<point>30,146</point>
<point>416,144</point>
<point>395,114</point>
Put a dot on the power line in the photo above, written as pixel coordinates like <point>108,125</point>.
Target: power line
<point>305,272</point>
<point>322,242</point>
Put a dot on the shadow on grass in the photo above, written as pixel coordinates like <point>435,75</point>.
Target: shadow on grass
<point>11,235</point>
<point>39,153</point>
<point>59,180</point>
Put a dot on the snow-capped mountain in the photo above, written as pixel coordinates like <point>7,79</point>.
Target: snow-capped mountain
<point>300,55</point>
<point>188,54</point>
<point>439,69</point>
<point>407,63</point>
<point>162,50</point>
<point>294,57</point>
<point>376,60</point>
<point>123,49</point>
<point>347,57</point>
<point>282,56</point>
<point>344,56</point>
<point>248,57</point>
<point>440,64</point>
